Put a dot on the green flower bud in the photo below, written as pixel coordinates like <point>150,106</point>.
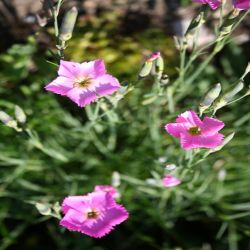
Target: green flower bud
<point>20,115</point>
<point>43,208</point>
<point>146,69</point>
<point>9,121</point>
<point>226,98</point>
<point>228,25</point>
<point>68,24</point>
<point>159,66</point>
<point>210,97</point>
<point>197,21</point>
<point>229,95</point>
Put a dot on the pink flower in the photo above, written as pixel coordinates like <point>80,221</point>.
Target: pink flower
<point>109,189</point>
<point>214,4</point>
<point>170,181</point>
<point>154,56</point>
<point>83,82</point>
<point>241,4</point>
<point>94,214</point>
<point>195,133</point>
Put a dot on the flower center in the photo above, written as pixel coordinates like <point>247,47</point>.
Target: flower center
<point>194,131</point>
<point>92,213</point>
<point>83,82</point>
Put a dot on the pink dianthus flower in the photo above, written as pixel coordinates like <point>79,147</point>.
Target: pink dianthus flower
<point>83,82</point>
<point>94,214</point>
<point>170,181</point>
<point>195,133</point>
<point>214,4</point>
<point>241,4</point>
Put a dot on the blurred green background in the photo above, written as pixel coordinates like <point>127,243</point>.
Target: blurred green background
<point>68,155</point>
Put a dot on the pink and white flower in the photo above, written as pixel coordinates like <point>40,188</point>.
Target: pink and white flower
<point>94,214</point>
<point>214,4</point>
<point>241,4</point>
<point>83,82</point>
<point>170,181</point>
<point>195,133</point>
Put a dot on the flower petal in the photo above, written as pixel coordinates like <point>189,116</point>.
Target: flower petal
<point>106,85</point>
<point>200,1</point>
<point>73,220</point>
<point>99,67</point>
<point>200,141</point>
<point>101,199</point>
<point>69,69</point>
<point>175,129</point>
<point>241,4</point>
<point>75,202</point>
<point>190,117</point>
<point>61,85</point>
<point>93,68</point>
<point>211,126</point>
<point>97,229</point>
<point>106,223</point>
<point>214,4</point>
<point>81,97</point>
<point>117,214</point>
<point>170,181</point>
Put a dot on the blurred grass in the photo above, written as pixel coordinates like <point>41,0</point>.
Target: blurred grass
<point>67,156</point>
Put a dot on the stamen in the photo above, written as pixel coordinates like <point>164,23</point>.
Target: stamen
<point>194,131</point>
<point>83,83</point>
<point>92,214</point>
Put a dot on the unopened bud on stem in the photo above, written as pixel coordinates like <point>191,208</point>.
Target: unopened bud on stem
<point>146,69</point>
<point>68,24</point>
<point>210,97</point>
<point>225,99</point>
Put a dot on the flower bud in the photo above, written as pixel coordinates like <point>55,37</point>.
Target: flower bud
<point>146,69</point>
<point>154,56</point>
<point>19,114</point>
<point>248,91</point>
<point>68,24</point>
<point>159,66</point>
<point>210,97</point>
<point>228,25</point>
<point>170,167</point>
<point>197,21</point>
<point>247,68</point>
<point>43,208</point>
<point>115,179</point>
<point>9,121</point>
<point>229,96</point>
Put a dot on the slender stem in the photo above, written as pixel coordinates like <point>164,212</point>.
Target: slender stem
<point>60,44</point>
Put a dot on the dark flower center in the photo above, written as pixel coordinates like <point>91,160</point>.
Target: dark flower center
<point>92,214</point>
<point>194,131</point>
<point>83,83</point>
